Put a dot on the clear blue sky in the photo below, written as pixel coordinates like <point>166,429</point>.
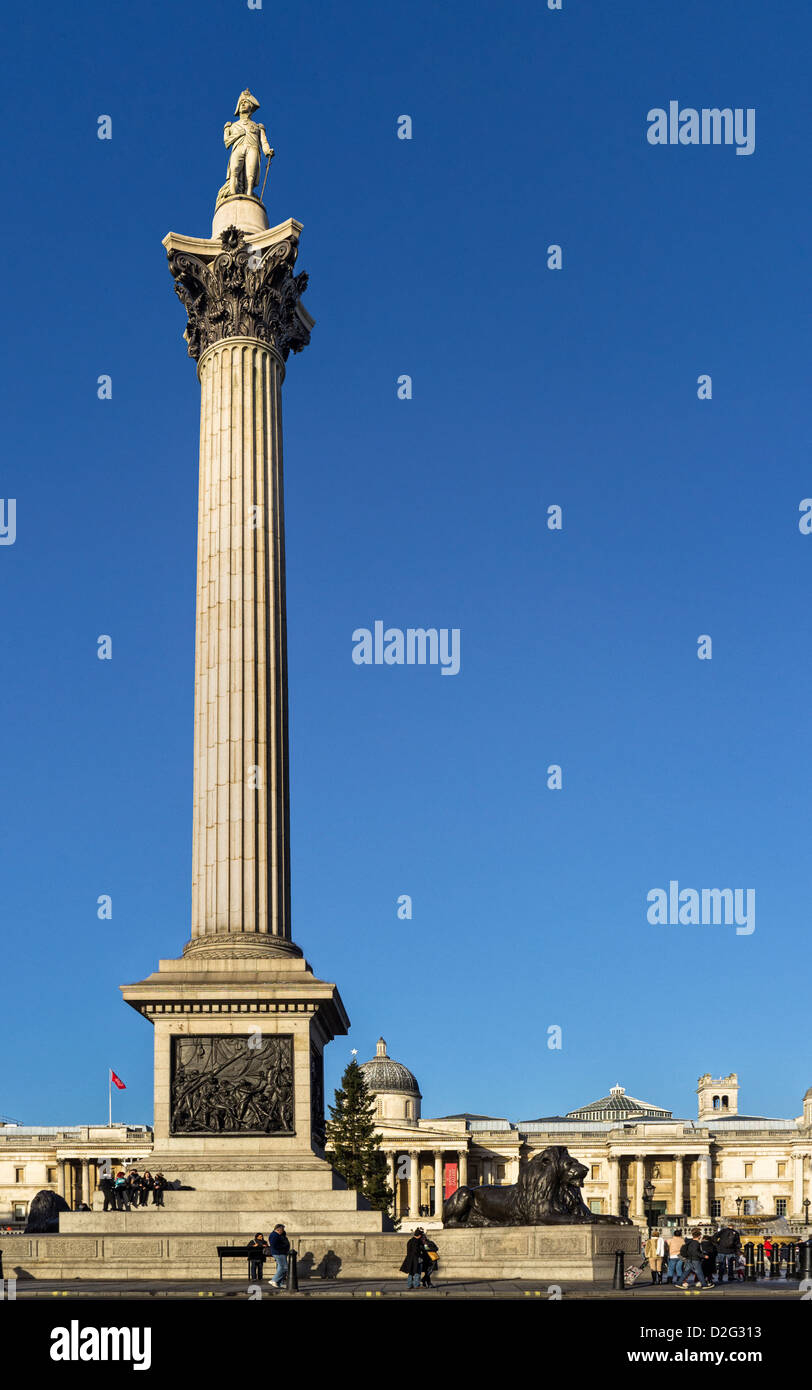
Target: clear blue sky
<point>531,387</point>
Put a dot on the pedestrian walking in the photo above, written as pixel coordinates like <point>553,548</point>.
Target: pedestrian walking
<point>279,1246</point>
<point>413,1263</point>
<point>655,1254</point>
<point>691,1254</point>
<point>256,1261</point>
<point>728,1247</point>
<point>674,1258</point>
<point>708,1257</point>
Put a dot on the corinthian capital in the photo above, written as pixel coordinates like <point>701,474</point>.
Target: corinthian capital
<point>242,293</point>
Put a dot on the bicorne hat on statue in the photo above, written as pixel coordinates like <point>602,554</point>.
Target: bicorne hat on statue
<point>251,98</point>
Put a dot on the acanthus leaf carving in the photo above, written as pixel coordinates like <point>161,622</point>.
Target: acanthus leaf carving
<point>238,295</point>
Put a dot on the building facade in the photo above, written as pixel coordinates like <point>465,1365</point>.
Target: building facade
<point>643,1161</point>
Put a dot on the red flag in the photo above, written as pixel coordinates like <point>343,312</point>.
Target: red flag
<point>117,1081</point>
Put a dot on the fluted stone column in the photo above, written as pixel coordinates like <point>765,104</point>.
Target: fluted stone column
<point>639,1179</point>
<point>244,317</point>
<point>241,856</point>
<point>438,1184</point>
<point>85,1192</point>
<point>414,1183</point>
<point>704,1162</point>
<point>678,1184</point>
<point>60,1176</point>
<point>462,1159</point>
<point>797,1185</point>
<point>614,1185</point>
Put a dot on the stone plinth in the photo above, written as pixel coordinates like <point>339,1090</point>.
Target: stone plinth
<point>552,1254</point>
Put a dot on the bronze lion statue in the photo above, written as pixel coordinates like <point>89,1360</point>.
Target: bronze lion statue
<point>548,1193</point>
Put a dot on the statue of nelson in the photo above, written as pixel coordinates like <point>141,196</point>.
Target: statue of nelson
<point>245,138</point>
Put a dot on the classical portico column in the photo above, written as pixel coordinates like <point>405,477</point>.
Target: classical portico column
<point>797,1184</point>
<point>614,1185</point>
<point>462,1160</point>
<point>438,1184</point>
<point>639,1179</point>
<point>678,1184</point>
<point>704,1162</point>
<point>86,1181</point>
<point>390,1176</point>
<point>244,318</point>
<point>414,1182</point>
<point>60,1176</point>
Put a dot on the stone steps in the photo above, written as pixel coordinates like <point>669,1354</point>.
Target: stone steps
<point>259,1199</point>
<point>220,1224</point>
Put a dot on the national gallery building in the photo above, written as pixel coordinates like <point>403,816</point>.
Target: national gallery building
<point>641,1158</point>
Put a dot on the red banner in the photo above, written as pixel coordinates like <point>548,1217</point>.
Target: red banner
<point>451,1178</point>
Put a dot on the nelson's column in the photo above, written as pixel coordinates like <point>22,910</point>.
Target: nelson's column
<point>240,1019</point>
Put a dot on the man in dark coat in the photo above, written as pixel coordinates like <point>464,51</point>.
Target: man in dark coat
<point>158,1189</point>
<point>107,1184</point>
<point>708,1257</point>
<point>728,1245</point>
<point>413,1264</point>
<point>279,1246</point>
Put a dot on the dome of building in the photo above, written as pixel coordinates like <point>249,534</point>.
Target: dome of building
<point>383,1073</point>
<point>619,1106</point>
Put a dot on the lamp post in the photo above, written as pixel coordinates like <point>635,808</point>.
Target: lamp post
<point>739,1201</point>
<point>648,1193</point>
<point>805,1204</point>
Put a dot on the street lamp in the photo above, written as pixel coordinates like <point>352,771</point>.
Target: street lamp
<point>739,1201</point>
<point>648,1193</point>
<point>805,1204</point>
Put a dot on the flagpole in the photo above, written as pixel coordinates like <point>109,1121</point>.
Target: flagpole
<point>109,1099</point>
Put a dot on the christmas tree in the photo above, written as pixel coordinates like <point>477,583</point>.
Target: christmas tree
<point>356,1146</point>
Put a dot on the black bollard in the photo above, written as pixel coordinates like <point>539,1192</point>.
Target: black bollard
<point>761,1270</point>
<point>792,1268</point>
<point>1,1266</point>
<point>292,1281</point>
<point>805,1260</point>
<point>619,1280</point>
<point>749,1266</point>
<point>775,1261</point>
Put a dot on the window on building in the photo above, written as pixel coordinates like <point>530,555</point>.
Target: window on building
<point>716,1208</point>
<point>782,1170</point>
<point>18,1210</point>
<point>52,1176</point>
<point>750,1206</point>
<point>717,1104</point>
<point>596,1205</point>
<point>19,1175</point>
<point>686,1206</point>
<point>595,1172</point>
<point>725,1105</point>
<point>780,1206</point>
<point>500,1172</point>
<point>748,1170</point>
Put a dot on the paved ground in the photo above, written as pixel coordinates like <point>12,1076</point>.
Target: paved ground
<point>391,1288</point>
